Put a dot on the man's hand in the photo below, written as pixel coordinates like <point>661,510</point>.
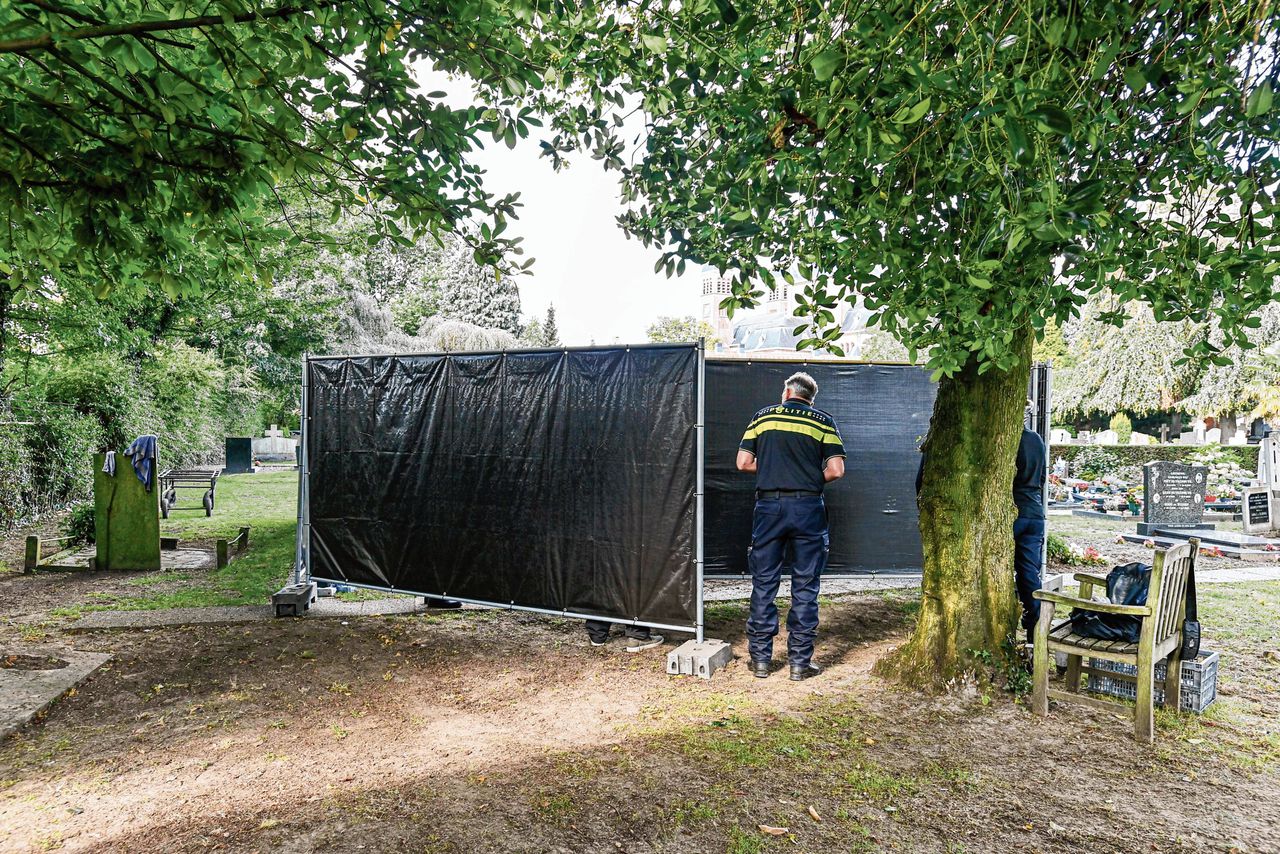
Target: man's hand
<point>747,462</point>
<point>834,469</point>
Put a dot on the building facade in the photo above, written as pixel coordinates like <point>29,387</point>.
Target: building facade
<point>767,331</point>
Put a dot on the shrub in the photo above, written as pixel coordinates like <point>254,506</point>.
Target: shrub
<point>1245,456</point>
<point>80,522</point>
<point>105,387</point>
<point>61,451</point>
<point>1123,428</point>
<point>189,412</point>
<point>15,474</point>
<point>1093,462</point>
<point>1057,550</point>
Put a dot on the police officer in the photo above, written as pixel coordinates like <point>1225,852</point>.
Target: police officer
<point>794,450</point>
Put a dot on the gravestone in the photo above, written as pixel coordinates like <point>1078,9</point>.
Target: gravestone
<point>239,455</point>
<point>275,446</point>
<point>1269,461</point>
<point>126,519</point>
<point>1173,496</point>
<point>1257,511</point>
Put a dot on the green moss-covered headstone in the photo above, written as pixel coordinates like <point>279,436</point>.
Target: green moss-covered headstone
<point>126,516</point>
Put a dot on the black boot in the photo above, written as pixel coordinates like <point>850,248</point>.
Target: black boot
<point>801,672</point>
<point>760,668</point>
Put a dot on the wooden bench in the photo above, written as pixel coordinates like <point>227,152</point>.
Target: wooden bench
<point>1160,637</point>
<point>37,558</point>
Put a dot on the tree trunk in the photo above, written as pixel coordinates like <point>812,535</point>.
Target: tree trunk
<point>1228,425</point>
<point>966,524</point>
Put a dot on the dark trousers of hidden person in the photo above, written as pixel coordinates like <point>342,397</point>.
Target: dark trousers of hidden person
<point>782,520</point>
<point>1028,545</point>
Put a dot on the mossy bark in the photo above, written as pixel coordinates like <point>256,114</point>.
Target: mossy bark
<point>969,602</point>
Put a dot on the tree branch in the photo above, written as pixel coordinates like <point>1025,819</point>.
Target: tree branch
<point>142,28</point>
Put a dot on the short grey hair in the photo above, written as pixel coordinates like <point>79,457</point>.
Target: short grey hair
<point>802,385</point>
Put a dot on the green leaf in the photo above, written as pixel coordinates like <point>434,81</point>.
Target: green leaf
<point>907,116</point>
<point>1053,33</point>
<point>1135,78</point>
<point>1259,101</point>
<point>654,43</point>
<point>1019,146</point>
<point>1050,119</point>
<point>728,14</point>
<point>825,64</point>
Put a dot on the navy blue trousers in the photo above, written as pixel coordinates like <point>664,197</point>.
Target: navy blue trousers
<point>800,523</point>
<point>1028,543</point>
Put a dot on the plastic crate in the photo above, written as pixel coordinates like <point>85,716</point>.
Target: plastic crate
<point>1199,681</point>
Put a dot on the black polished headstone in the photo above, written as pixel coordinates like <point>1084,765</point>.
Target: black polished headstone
<point>1173,493</point>
<point>1256,510</point>
<point>239,455</point>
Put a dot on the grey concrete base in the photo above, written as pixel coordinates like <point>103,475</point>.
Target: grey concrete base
<point>293,600</point>
<point>1116,516</point>
<point>1155,527</point>
<point>699,659</point>
<point>26,693</point>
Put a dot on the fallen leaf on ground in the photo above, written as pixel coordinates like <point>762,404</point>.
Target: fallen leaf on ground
<point>774,831</point>
<point>268,823</point>
<point>813,814</point>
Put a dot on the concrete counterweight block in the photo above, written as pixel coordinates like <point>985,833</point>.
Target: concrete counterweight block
<point>293,600</point>
<point>703,659</point>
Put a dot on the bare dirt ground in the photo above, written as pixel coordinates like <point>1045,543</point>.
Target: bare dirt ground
<point>482,731</point>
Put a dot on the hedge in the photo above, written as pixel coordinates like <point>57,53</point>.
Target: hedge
<point>1245,456</point>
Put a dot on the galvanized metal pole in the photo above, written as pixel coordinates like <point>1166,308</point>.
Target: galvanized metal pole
<point>698,516</point>
<point>302,561</point>
<point>1046,392</point>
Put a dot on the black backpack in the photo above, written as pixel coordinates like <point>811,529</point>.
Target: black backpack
<point>1126,585</point>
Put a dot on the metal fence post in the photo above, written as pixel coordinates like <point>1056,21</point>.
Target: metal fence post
<point>698,516</point>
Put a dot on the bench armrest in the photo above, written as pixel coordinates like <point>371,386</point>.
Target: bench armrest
<point>1088,605</point>
<point>1090,578</point>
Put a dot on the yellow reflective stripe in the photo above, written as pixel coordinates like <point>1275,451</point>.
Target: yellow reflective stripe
<point>811,422</point>
<point>788,427</point>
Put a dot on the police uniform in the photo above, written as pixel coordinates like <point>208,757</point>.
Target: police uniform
<point>792,442</point>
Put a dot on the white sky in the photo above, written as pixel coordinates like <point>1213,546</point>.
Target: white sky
<point>601,283</point>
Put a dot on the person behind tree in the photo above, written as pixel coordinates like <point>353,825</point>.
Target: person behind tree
<point>1028,528</point>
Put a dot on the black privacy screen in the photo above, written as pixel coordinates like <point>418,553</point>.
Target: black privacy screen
<point>883,413</point>
<point>556,480</point>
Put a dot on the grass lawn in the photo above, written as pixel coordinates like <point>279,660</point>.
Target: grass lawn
<point>265,502</point>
